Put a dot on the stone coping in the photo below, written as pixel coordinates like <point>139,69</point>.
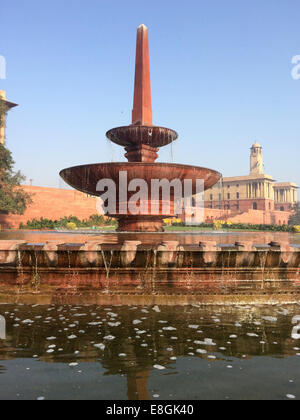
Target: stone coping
<point>94,245</point>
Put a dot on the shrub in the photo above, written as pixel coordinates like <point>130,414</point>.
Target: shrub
<point>71,226</point>
<point>218,224</point>
<point>93,222</point>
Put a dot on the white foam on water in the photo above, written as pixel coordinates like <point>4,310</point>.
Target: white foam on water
<point>27,321</point>
<point>269,318</point>
<point>109,337</point>
<point>114,324</point>
<point>159,367</point>
<point>99,346</point>
<point>200,351</point>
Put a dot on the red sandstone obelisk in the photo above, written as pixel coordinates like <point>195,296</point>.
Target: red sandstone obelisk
<point>142,108</point>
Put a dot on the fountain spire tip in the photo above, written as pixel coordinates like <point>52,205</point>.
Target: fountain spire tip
<point>142,108</point>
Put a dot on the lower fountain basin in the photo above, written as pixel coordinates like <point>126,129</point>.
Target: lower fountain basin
<point>85,178</point>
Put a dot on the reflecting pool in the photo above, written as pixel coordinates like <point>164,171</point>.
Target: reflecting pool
<point>149,352</point>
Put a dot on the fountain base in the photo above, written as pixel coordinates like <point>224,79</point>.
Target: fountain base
<point>140,223</point>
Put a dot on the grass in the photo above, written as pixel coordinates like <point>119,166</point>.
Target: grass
<point>187,229</point>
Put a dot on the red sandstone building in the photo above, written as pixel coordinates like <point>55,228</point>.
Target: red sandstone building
<point>255,198</point>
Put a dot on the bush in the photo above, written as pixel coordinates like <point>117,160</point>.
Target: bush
<point>94,221</point>
<point>71,226</point>
<point>297,229</point>
<point>218,224</point>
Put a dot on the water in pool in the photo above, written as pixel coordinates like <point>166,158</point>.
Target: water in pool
<point>149,352</point>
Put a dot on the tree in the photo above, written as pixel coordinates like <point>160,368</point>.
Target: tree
<point>295,218</point>
<point>13,199</point>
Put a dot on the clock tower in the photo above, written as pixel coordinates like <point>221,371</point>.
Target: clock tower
<point>256,160</point>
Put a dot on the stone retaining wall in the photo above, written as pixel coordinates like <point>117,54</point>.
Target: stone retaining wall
<point>212,270</point>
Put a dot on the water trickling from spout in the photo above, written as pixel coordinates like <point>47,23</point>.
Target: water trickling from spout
<point>172,153</point>
<point>107,265</point>
<point>20,270</point>
<point>263,255</point>
<point>153,277</point>
<point>111,149</point>
<point>36,278</point>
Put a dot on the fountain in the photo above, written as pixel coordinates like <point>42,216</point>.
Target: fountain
<point>147,268</point>
<point>141,141</point>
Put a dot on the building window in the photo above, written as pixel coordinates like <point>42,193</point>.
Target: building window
<point>254,206</point>
<point>237,196</point>
<point>220,197</point>
<point>228,196</point>
<point>281,208</point>
<point>211,197</point>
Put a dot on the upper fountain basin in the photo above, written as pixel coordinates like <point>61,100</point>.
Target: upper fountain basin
<point>85,178</point>
<point>132,135</point>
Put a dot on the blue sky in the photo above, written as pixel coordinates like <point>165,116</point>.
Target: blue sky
<point>220,72</point>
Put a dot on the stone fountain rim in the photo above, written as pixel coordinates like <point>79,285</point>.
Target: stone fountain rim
<point>143,127</point>
<point>147,164</point>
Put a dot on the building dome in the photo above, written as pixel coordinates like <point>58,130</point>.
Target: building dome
<point>256,145</point>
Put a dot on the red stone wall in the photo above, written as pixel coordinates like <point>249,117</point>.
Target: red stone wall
<point>285,206</point>
<point>254,217</point>
<point>258,217</point>
<point>52,203</point>
<point>243,205</point>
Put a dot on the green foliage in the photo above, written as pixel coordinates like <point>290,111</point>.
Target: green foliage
<point>70,223</point>
<point>242,226</point>
<point>295,218</point>
<point>12,198</point>
<point>269,228</point>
